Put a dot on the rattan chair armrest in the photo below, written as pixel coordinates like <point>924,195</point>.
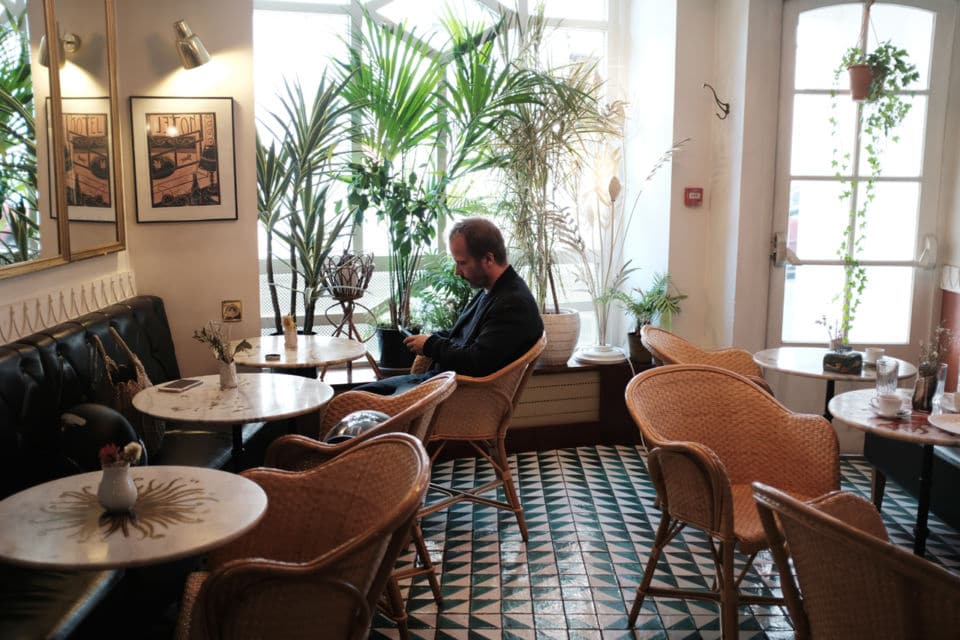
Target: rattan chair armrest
<point>421,364</point>
<point>297,453</point>
<point>854,510</point>
<point>760,382</point>
<point>692,484</point>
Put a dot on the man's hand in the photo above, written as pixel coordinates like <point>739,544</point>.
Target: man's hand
<point>415,342</point>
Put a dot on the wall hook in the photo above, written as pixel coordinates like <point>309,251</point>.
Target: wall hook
<point>721,105</point>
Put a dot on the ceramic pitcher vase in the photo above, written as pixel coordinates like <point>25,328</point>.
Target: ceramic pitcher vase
<point>228,375</point>
<point>117,493</point>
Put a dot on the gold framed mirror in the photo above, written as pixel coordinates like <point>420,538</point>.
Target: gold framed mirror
<point>73,83</point>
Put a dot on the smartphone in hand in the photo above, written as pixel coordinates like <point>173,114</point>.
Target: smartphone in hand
<point>406,333</point>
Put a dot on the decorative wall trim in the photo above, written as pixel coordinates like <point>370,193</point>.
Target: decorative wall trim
<point>950,278</point>
<point>29,315</point>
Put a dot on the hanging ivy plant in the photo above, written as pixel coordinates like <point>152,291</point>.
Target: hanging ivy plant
<point>886,104</point>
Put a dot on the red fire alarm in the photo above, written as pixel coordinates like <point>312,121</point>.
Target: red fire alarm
<point>692,196</point>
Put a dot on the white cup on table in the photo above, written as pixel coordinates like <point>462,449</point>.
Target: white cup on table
<point>887,404</point>
<point>872,354</point>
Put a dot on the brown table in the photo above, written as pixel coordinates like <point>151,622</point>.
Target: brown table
<point>853,409</point>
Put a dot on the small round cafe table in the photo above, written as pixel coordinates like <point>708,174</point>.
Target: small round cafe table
<point>180,512</point>
<point>312,352</point>
<point>853,409</point>
<point>807,362</point>
<point>258,396</point>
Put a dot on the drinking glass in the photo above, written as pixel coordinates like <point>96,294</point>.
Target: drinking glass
<point>887,369</point>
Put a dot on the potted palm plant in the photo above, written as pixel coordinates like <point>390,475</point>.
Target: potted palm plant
<point>545,141</point>
<point>657,305</point>
<point>294,175</point>
<point>413,103</point>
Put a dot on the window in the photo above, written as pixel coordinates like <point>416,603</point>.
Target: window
<point>302,37</point>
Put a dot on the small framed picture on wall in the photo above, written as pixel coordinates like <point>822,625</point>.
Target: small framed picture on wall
<point>183,156</point>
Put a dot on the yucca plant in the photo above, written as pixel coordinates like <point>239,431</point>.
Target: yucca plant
<point>293,181</point>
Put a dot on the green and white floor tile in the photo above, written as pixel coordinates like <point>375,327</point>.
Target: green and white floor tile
<point>591,517</point>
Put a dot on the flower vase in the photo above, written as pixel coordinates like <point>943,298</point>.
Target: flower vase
<point>923,391</point>
<point>290,338</point>
<point>117,493</point>
<point>228,375</point>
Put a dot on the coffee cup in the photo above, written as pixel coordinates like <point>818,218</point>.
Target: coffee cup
<point>887,404</point>
<point>872,354</point>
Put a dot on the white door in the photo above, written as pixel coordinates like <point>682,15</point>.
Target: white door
<point>812,220</point>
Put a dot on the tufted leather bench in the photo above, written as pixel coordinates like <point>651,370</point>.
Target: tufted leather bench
<point>45,375</point>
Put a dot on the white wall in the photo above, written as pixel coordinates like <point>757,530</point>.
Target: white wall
<point>193,266</point>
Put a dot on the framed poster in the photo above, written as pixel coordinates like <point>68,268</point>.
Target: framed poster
<point>183,159</point>
<point>87,158</point>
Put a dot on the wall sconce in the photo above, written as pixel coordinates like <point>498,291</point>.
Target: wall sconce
<point>69,43</point>
<point>191,49</point>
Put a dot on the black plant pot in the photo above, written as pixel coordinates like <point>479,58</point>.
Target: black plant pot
<point>638,352</point>
<point>393,353</point>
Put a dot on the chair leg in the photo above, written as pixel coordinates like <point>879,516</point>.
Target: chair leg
<point>398,609</point>
<point>729,621</point>
<point>663,532</point>
<point>878,483</point>
<point>424,554</point>
<point>500,455</point>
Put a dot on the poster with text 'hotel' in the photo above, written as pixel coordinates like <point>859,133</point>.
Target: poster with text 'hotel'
<point>183,155</point>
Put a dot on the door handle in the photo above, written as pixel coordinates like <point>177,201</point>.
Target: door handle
<point>780,253</point>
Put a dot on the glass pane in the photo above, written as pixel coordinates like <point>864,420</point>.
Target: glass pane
<point>565,46</point>
<point>810,291</point>
<point>891,232</point>
<point>573,9</point>
<point>885,307</point>
<point>906,27</point>
<point>903,157</point>
<point>811,146</point>
<point>294,46</point>
<point>817,219</point>
<point>822,37</point>
<point>425,17</point>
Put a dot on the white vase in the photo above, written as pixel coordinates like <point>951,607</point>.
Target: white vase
<point>290,338</point>
<point>228,375</point>
<point>116,492</point>
<point>563,330</point>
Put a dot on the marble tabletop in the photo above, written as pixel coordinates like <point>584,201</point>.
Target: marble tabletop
<point>853,409</point>
<point>311,351</point>
<point>258,396</point>
<point>180,512</point>
<point>808,362</point>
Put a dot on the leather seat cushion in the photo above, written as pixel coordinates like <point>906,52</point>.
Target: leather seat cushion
<point>36,603</point>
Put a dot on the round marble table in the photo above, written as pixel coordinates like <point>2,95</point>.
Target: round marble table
<point>258,396</point>
<point>807,362</point>
<point>853,409</point>
<point>180,512</point>
<point>311,351</point>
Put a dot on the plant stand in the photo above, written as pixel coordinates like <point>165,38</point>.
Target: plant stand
<point>348,328</point>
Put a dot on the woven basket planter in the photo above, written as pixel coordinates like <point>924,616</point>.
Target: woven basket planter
<point>563,331</point>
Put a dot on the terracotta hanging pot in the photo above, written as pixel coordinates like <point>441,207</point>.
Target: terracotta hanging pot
<point>861,75</point>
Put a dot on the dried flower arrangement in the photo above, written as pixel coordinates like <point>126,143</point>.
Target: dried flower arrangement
<point>113,456</point>
<point>933,352</point>
<point>835,332</point>
<point>214,335</point>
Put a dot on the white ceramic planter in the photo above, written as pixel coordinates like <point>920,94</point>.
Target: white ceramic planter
<point>228,375</point>
<point>117,492</point>
<point>563,331</point>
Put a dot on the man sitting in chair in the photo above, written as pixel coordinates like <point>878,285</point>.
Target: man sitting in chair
<point>499,325</point>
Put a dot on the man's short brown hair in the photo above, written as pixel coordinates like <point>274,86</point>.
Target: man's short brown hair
<point>481,237</point>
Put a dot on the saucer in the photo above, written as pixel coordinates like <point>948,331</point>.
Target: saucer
<point>946,421</point>
<point>902,413</point>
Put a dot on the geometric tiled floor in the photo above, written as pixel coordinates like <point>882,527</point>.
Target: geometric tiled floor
<point>591,519</point>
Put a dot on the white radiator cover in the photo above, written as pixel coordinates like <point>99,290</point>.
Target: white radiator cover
<point>560,398</point>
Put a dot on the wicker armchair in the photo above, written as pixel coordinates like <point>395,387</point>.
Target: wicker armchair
<point>669,348</point>
<point>711,433</point>
<point>411,412</point>
<point>320,558</point>
<point>852,582</point>
<point>479,413</point>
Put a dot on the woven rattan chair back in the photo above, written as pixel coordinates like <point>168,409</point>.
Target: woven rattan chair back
<point>320,558</point>
<point>669,348</point>
<point>712,432</point>
<point>479,413</point>
<point>413,412</point>
<point>853,584</point>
